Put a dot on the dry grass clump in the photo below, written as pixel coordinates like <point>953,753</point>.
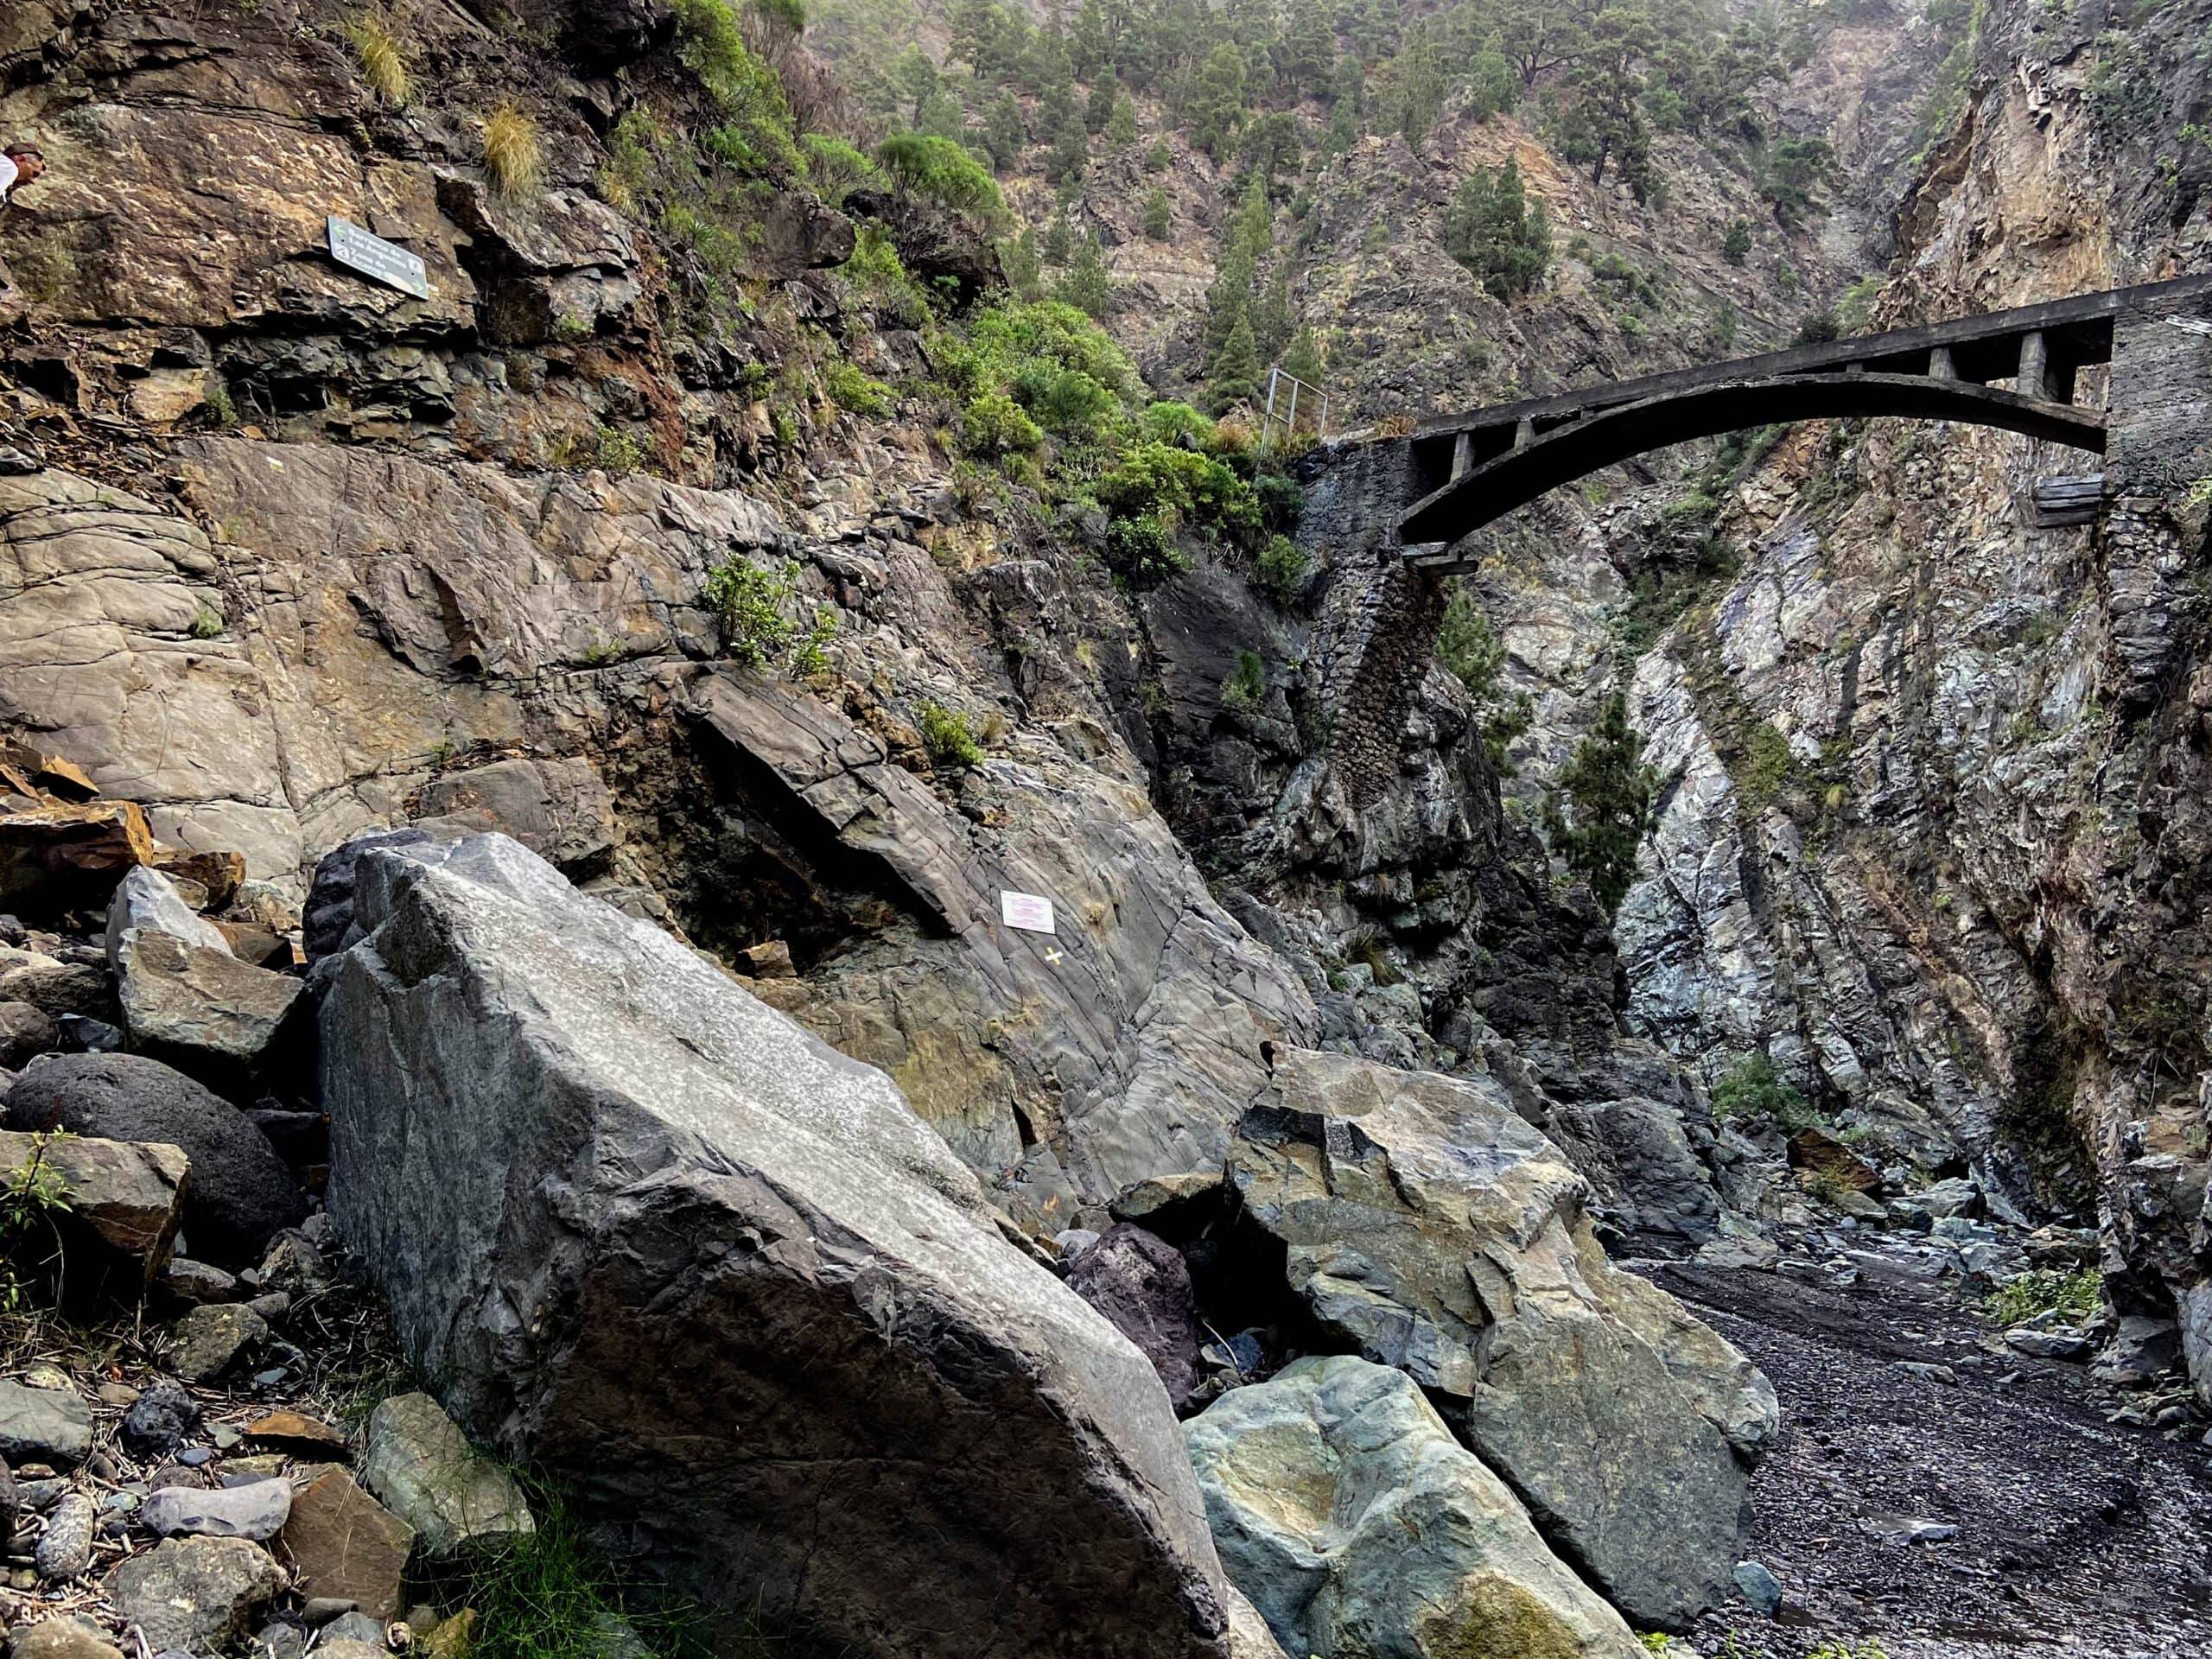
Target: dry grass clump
<point>383,60</point>
<point>514,158</point>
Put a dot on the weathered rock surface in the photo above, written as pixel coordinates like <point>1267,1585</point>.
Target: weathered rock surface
<point>1428,1224</point>
<point>158,1420</point>
<point>509,1040</point>
<point>240,1192</point>
<point>63,1637</point>
<point>420,1466</point>
<point>1142,1283</point>
<point>128,1196</point>
<point>198,1594</point>
<point>202,1006</point>
<point>213,1339</point>
<point>50,1426</point>
<point>345,1546</point>
<point>65,1548</point>
<point>1355,1523</point>
<point>146,901</point>
<point>257,1511</point>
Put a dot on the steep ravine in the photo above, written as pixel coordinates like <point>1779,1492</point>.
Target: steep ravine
<point>649,572</point>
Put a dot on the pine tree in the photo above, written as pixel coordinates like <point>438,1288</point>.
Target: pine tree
<point>1303,359</point>
<point>1005,135</point>
<point>1157,158</point>
<point>1157,219</point>
<point>1608,113</point>
<point>1492,87</point>
<point>1019,260</point>
<point>1492,230</point>
<point>1089,46</point>
<point>1098,109</point>
<point>1086,286</point>
<point>1420,88</point>
<point>1234,376</point>
<point>1596,818</point>
<point>1122,125</point>
<point>1217,106</point>
<point>1737,244</point>
<point>1059,243</point>
<point>1071,150</point>
<point>1271,317</point>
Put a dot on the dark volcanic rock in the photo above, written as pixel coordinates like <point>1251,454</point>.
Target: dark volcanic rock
<point>240,1194</point>
<point>1140,1282</point>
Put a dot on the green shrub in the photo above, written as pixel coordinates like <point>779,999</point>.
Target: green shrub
<point>946,736</point>
<point>750,601</point>
<point>941,171</point>
<point>836,169</point>
<point>1282,569</point>
<point>1157,220</point>
<point>850,389</point>
<point>1142,549</point>
<point>1751,1091</point>
<point>758,135</point>
<point>2073,1296</point>
<point>1597,818</point>
<point>1169,422</point>
<point>878,274</point>
<point>1246,688</point>
<point>1159,480</point>
<point>993,424</point>
<point>207,624</point>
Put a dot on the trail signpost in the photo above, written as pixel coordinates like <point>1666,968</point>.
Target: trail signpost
<point>374,257</point>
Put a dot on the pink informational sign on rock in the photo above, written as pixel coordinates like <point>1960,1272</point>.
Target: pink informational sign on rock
<point>1025,911</point>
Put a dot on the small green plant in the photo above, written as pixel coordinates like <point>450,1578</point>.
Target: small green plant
<point>548,1595</point>
<point>1246,688</point>
<point>850,389</point>
<point>208,624</point>
<point>222,408</point>
<point>1766,768</point>
<point>384,63</point>
<point>33,1196</point>
<point>749,600</point>
<point>1736,242</point>
<point>1282,569</point>
<point>1751,1089</point>
<point>514,156</point>
<point>2073,1296</point>
<point>1825,1186</point>
<point>946,736</point>
<point>1868,1649</point>
<point>618,452</point>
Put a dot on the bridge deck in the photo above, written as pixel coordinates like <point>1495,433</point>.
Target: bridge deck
<point>2074,333</point>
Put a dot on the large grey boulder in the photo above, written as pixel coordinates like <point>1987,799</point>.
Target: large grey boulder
<point>653,1237</point>
<point>1433,1229</point>
<point>239,1195</point>
<point>1360,1529</point>
<point>146,901</point>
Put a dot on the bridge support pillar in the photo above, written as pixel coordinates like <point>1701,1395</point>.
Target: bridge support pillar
<point>1940,366</point>
<point>1524,434</point>
<point>2034,377</point>
<point>1463,455</point>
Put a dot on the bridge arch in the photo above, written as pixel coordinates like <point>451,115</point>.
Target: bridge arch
<point>1585,443</point>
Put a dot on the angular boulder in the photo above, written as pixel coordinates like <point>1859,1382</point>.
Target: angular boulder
<point>1344,1509</point>
<point>202,1008</point>
<point>1431,1228</point>
<point>1140,1282</point>
<point>600,1185</point>
<point>125,1198</point>
<point>240,1194</point>
<point>422,1470</point>
<point>146,901</point>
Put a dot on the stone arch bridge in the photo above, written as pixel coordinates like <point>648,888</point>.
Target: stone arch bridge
<point>1423,494</point>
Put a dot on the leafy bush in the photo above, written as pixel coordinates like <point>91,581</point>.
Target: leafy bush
<point>1159,480</point>
<point>514,159</point>
<point>1735,243</point>
<point>1246,688</point>
<point>878,274</point>
<point>1282,569</point>
<point>939,170</point>
<point>1751,1091</point>
<point>946,736</point>
<point>1142,551</point>
<point>993,424</point>
<point>836,169</point>
<point>1157,220</point>
<point>2073,1296</point>
<point>850,389</point>
<point>759,136</point>
<point>1170,423</point>
<point>750,601</point>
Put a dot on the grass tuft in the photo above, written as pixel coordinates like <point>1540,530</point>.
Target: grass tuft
<point>514,158</point>
<point>384,62</point>
<point>2045,1290</point>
